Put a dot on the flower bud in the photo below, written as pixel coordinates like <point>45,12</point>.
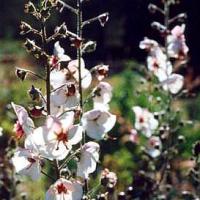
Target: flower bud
<point>29,8</point>
<point>62,30</point>
<point>89,47</point>
<point>34,93</point>
<point>25,28</point>
<point>21,74</point>
<point>103,18</point>
<point>108,177</point>
<point>152,8</point>
<point>159,27</point>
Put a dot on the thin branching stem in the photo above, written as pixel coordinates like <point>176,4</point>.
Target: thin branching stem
<point>67,6</point>
<point>89,21</point>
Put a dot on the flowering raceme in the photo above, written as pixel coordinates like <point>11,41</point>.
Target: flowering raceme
<point>61,136</point>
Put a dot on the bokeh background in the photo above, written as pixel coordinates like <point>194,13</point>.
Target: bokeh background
<point>117,46</point>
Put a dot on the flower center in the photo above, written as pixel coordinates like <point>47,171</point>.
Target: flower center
<point>31,160</point>
<point>61,188</point>
<point>19,130</point>
<point>141,119</point>
<point>62,137</point>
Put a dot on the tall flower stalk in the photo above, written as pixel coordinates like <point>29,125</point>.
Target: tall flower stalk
<point>66,124</point>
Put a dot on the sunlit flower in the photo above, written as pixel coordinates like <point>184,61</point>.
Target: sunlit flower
<point>103,95</point>
<point>156,61</point>
<point>177,47</point>
<point>27,163</point>
<point>64,189</point>
<point>59,78</point>
<point>145,121</point>
<point>154,146</point>
<point>24,125</point>
<point>174,83</point>
<point>97,123</point>
<point>55,139</point>
<point>88,160</point>
<point>59,56</point>
<point>67,96</point>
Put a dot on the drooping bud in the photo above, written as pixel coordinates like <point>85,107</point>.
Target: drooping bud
<point>29,8</point>
<point>25,28</point>
<point>61,30</point>
<point>21,73</point>
<point>152,8</point>
<point>103,18</point>
<point>89,47</point>
<point>159,27</point>
<point>34,93</point>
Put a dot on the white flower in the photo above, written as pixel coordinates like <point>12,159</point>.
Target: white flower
<point>154,146</point>
<point>156,61</point>
<point>145,121</point>
<point>88,160</point>
<point>85,73</point>
<point>64,189</point>
<point>59,56</point>
<point>27,163</point>
<point>97,123</point>
<point>174,83</point>
<point>59,78</point>
<point>25,124</point>
<point>55,139</point>
<point>103,95</point>
<point>67,96</point>
<point>177,47</point>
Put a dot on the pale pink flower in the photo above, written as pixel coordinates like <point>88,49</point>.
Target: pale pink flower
<point>177,47</point>
<point>67,96</point>
<point>55,139</point>
<point>156,61</point>
<point>59,56</point>
<point>154,146</point>
<point>145,121</point>
<point>174,83</point>
<point>64,189</point>
<point>59,78</point>
<point>97,123</point>
<point>103,95</point>
<point>24,125</point>
<point>27,163</point>
<point>88,160</point>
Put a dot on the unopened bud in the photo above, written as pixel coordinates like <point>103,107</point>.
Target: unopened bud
<point>29,8</point>
<point>34,93</point>
<point>103,18</point>
<point>21,73</point>
<point>25,28</point>
<point>152,8</point>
